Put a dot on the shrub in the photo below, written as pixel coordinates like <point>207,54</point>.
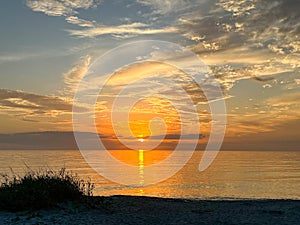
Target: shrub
<point>42,189</point>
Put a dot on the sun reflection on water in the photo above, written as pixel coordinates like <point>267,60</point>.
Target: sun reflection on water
<point>141,166</point>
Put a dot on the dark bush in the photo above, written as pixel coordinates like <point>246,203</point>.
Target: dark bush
<point>41,189</point>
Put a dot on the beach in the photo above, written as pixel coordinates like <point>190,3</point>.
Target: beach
<point>151,210</point>
<point>150,112</point>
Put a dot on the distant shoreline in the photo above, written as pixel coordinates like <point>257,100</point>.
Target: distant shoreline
<point>152,210</point>
<point>65,140</point>
<point>198,150</point>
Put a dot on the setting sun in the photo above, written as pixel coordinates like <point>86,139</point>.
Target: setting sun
<point>141,139</point>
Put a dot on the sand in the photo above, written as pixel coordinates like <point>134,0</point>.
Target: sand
<point>149,210</point>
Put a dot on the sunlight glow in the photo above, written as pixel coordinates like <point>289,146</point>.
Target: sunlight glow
<point>141,166</point>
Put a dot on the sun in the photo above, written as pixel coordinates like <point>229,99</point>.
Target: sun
<point>141,140</point>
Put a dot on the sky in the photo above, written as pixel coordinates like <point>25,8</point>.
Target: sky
<point>251,47</point>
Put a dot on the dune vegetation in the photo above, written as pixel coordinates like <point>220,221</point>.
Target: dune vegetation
<point>42,189</point>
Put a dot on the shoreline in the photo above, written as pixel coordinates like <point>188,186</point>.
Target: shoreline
<point>123,209</point>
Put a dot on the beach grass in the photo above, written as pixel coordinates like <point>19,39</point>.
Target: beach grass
<point>42,189</point>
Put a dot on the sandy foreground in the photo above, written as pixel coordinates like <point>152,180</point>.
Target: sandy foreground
<point>149,210</point>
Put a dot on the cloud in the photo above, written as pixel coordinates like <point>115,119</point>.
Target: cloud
<point>79,22</point>
<point>19,99</point>
<point>43,140</point>
<point>4,58</point>
<point>167,85</point>
<point>292,99</point>
<point>60,8</point>
<point>274,114</point>
<point>66,8</point>
<point>69,10</point>
<point>269,24</point>
<point>11,58</point>
<point>267,86</point>
<point>245,39</point>
<point>121,31</point>
<point>73,76</point>
<point>179,136</point>
<point>278,33</point>
<point>166,6</point>
<point>34,107</point>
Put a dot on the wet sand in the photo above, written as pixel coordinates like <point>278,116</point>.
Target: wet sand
<point>150,210</point>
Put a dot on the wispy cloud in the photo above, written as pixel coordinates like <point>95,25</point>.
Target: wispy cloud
<point>68,9</point>
<point>34,107</point>
<point>73,76</point>
<point>287,100</point>
<point>167,6</point>
<point>4,58</point>
<point>269,115</point>
<point>79,22</point>
<point>65,8</point>
<point>19,99</point>
<point>122,30</point>
<point>60,8</point>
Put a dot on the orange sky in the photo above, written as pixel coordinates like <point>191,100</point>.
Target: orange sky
<point>251,47</point>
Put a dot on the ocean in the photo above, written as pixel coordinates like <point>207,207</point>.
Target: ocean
<point>233,174</point>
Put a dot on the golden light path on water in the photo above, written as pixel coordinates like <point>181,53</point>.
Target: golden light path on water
<point>141,169</point>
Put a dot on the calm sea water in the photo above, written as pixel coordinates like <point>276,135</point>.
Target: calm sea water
<point>233,174</point>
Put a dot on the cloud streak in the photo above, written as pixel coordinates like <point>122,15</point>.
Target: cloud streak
<point>66,8</point>
<point>121,31</point>
<point>80,22</point>
<point>36,108</point>
<point>167,6</point>
<point>73,76</point>
<point>60,8</point>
